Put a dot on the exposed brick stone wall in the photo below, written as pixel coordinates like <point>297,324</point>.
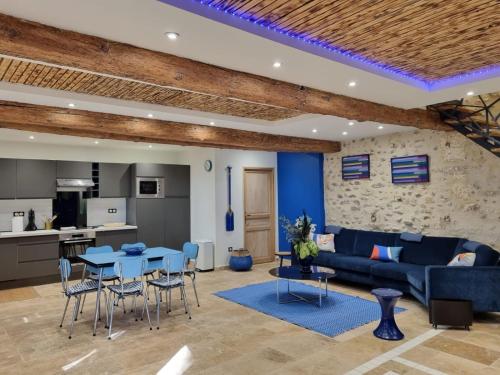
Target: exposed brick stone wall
<point>462,199</point>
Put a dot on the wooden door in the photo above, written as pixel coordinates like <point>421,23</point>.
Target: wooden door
<point>259,213</point>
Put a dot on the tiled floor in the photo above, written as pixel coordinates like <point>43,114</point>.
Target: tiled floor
<point>226,338</point>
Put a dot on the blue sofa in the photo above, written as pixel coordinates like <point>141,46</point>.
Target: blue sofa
<point>422,270</point>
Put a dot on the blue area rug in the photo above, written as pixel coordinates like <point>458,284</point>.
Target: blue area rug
<point>339,312</point>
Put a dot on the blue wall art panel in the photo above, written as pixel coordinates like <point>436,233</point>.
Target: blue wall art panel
<point>356,167</point>
<point>410,169</point>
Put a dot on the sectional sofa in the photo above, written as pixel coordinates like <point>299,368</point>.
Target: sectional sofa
<point>422,270</point>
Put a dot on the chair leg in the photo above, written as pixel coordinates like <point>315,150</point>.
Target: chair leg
<point>106,305</point>
<point>64,313</point>
<point>186,304</point>
<point>195,292</point>
<point>145,306</point>
<point>158,293</point>
<point>123,303</point>
<point>169,300</point>
<point>79,299</point>
<point>134,304</point>
<point>111,317</point>
<point>75,313</point>
<point>83,303</point>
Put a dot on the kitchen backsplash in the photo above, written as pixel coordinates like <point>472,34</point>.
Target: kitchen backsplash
<point>42,207</point>
<point>102,210</point>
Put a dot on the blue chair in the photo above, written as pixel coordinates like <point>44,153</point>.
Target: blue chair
<point>190,251</point>
<point>93,276</point>
<point>75,290</point>
<point>128,268</point>
<point>148,272</point>
<point>173,271</point>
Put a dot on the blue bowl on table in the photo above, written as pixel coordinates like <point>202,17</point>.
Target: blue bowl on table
<point>134,251</point>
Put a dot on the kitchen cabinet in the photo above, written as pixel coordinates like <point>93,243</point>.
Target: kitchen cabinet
<point>8,259</point>
<point>35,179</point>
<point>7,178</point>
<point>116,238</point>
<point>114,180</point>
<point>177,222</point>
<point>177,180</point>
<point>150,219</point>
<point>149,170</point>
<point>37,256</point>
<point>73,169</point>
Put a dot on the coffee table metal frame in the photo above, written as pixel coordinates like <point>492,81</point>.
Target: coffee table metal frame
<point>323,278</point>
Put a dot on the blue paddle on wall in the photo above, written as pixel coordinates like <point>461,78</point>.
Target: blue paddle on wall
<point>229,213</point>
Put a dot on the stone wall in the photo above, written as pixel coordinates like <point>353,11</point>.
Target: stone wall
<point>462,199</point>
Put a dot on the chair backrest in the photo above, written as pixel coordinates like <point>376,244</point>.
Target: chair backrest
<point>190,250</point>
<point>174,263</point>
<point>130,267</point>
<point>99,250</point>
<point>65,271</point>
<point>141,245</point>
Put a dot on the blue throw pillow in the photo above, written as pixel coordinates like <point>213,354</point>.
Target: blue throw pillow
<point>411,237</point>
<point>386,253</point>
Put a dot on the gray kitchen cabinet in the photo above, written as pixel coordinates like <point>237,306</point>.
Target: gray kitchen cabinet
<point>37,256</point>
<point>148,170</point>
<point>36,179</point>
<point>73,169</point>
<point>177,180</point>
<point>8,259</point>
<point>150,218</point>
<point>114,180</point>
<point>7,178</point>
<point>177,222</point>
<point>116,238</point>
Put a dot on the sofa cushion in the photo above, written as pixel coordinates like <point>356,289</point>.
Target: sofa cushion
<point>386,253</point>
<point>366,239</point>
<point>325,259</point>
<point>416,278</point>
<point>344,241</point>
<point>431,251</point>
<point>486,256</point>
<point>333,229</point>
<point>396,271</point>
<point>411,237</point>
<point>354,263</point>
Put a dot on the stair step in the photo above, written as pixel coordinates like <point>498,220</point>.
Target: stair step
<point>475,136</point>
<point>496,150</point>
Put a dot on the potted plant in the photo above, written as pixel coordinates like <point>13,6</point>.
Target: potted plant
<point>298,234</point>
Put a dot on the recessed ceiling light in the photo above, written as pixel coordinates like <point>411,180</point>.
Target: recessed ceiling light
<point>150,146</point>
<point>380,127</point>
<point>351,123</point>
<point>71,105</point>
<point>352,83</point>
<point>32,137</point>
<point>150,115</point>
<point>96,142</point>
<point>470,93</point>
<point>277,64</point>
<point>315,130</point>
<point>172,35</point>
<point>212,123</point>
<point>344,133</point>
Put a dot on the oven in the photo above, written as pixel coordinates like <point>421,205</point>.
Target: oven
<point>72,244</point>
<point>150,187</point>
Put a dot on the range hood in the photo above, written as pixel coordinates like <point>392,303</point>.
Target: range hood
<point>74,184</point>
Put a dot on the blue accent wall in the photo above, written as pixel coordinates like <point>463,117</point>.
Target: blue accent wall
<point>300,186</point>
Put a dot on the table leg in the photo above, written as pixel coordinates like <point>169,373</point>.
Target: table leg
<point>326,287</point>
<point>320,292</point>
<point>84,272</point>
<point>98,300</point>
<point>278,290</point>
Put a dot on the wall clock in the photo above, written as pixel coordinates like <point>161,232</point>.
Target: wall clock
<point>208,165</point>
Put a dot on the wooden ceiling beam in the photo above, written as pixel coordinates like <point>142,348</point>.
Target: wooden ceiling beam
<point>81,123</point>
<point>30,40</point>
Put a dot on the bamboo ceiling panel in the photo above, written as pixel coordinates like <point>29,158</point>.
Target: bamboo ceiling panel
<point>40,75</point>
<point>428,39</point>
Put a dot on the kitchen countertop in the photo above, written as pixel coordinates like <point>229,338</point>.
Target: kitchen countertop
<point>50,232</point>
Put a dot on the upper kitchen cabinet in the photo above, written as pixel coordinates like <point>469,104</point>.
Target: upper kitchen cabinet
<point>177,180</point>
<point>74,169</point>
<point>8,178</point>
<point>114,180</point>
<point>36,179</point>
<point>148,170</point>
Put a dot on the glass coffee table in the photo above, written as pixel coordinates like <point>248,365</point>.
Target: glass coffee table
<point>293,273</point>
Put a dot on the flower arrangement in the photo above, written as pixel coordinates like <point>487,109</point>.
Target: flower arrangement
<point>298,234</point>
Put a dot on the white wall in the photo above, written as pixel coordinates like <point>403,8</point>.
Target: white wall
<point>97,211</point>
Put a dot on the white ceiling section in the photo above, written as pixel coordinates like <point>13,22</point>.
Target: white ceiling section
<point>143,23</point>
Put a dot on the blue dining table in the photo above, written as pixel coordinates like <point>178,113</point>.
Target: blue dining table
<point>103,265</point>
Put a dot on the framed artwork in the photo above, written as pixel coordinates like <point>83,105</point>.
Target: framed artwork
<point>410,169</point>
<point>356,167</point>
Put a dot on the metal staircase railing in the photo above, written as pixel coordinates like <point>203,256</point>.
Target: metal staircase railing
<point>477,118</point>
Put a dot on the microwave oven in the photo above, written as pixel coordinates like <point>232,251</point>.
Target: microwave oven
<point>150,187</point>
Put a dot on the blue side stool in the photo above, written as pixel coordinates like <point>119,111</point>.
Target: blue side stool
<point>240,260</point>
<point>387,329</point>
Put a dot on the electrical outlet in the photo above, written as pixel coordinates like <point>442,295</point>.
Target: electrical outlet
<point>230,249</point>
<point>18,213</point>
<point>112,210</point>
